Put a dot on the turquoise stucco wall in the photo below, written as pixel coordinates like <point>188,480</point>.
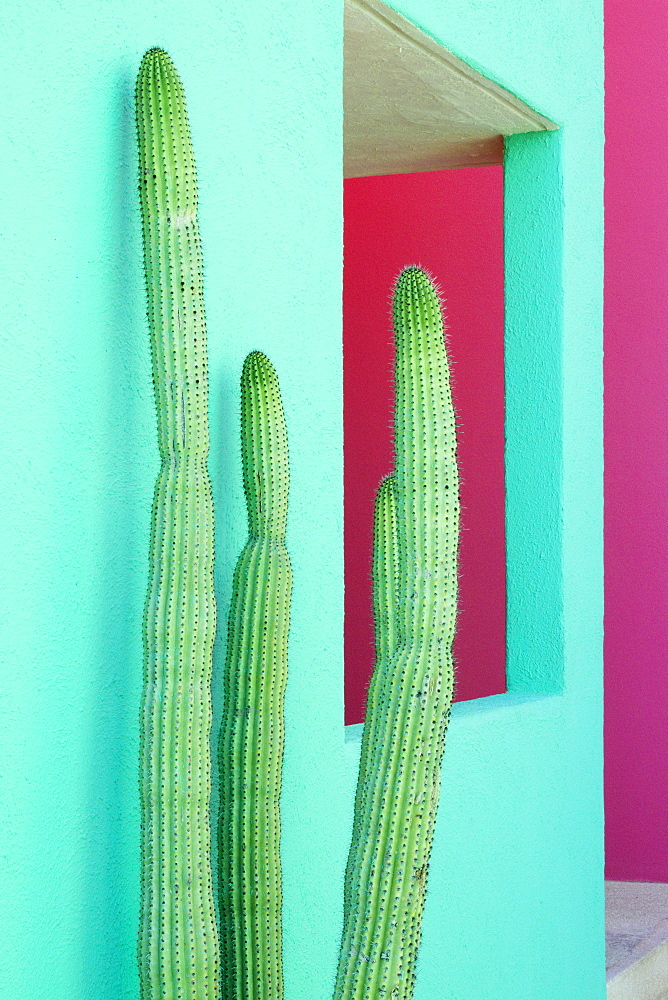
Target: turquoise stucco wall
<point>515,910</point>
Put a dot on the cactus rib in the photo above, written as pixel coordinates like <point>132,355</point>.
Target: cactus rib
<point>409,703</point>
<point>252,734</point>
<point>178,941</point>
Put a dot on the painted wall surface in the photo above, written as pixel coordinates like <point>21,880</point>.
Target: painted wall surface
<point>451,222</point>
<point>263,84</point>
<point>515,909</point>
<point>636,442</point>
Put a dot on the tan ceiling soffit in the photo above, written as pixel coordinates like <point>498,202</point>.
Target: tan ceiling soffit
<point>410,105</point>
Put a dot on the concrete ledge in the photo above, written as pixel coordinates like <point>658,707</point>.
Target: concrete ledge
<point>636,940</point>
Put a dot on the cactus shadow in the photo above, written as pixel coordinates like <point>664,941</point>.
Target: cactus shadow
<point>110,876</point>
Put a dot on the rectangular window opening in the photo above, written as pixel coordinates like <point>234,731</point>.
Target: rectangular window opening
<point>449,222</point>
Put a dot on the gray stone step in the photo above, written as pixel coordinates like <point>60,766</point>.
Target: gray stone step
<point>636,936</point>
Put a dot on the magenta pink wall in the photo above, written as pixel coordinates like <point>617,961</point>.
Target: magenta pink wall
<point>451,223</point>
<point>636,440</point>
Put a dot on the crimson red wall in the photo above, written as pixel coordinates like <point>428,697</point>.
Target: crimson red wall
<point>451,223</point>
<point>636,440</point>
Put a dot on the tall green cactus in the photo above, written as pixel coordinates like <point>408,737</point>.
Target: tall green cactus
<point>252,734</point>
<point>415,584</point>
<point>178,942</point>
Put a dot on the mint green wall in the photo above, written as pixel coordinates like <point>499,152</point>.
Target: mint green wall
<point>515,904</point>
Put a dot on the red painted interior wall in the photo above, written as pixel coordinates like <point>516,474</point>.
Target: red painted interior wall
<point>451,223</point>
<point>636,440</point>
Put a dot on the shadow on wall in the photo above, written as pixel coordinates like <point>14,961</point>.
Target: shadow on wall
<point>109,909</point>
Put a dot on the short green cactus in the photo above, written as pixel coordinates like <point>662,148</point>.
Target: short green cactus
<point>385,573</point>
<point>415,585</point>
<point>252,735</point>
<point>178,941</point>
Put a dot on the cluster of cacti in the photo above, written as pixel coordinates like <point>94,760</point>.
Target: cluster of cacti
<point>252,735</point>
<point>178,940</point>
<point>415,601</point>
<point>415,585</point>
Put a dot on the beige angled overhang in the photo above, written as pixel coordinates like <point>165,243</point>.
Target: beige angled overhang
<point>410,105</point>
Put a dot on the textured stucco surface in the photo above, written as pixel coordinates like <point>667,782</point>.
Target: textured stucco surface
<point>515,910</point>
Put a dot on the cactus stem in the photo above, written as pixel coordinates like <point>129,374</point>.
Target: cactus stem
<point>415,596</point>
<point>178,940</point>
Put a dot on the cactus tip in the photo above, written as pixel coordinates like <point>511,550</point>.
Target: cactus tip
<point>155,60</point>
<point>257,363</point>
<point>415,276</point>
<point>156,54</point>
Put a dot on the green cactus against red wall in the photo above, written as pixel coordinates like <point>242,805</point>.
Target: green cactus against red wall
<point>252,734</point>
<point>415,597</point>
<point>178,941</point>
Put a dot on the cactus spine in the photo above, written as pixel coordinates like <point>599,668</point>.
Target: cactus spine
<point>252,734</point>
<point>415,584</point>
<point>178,943</point>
